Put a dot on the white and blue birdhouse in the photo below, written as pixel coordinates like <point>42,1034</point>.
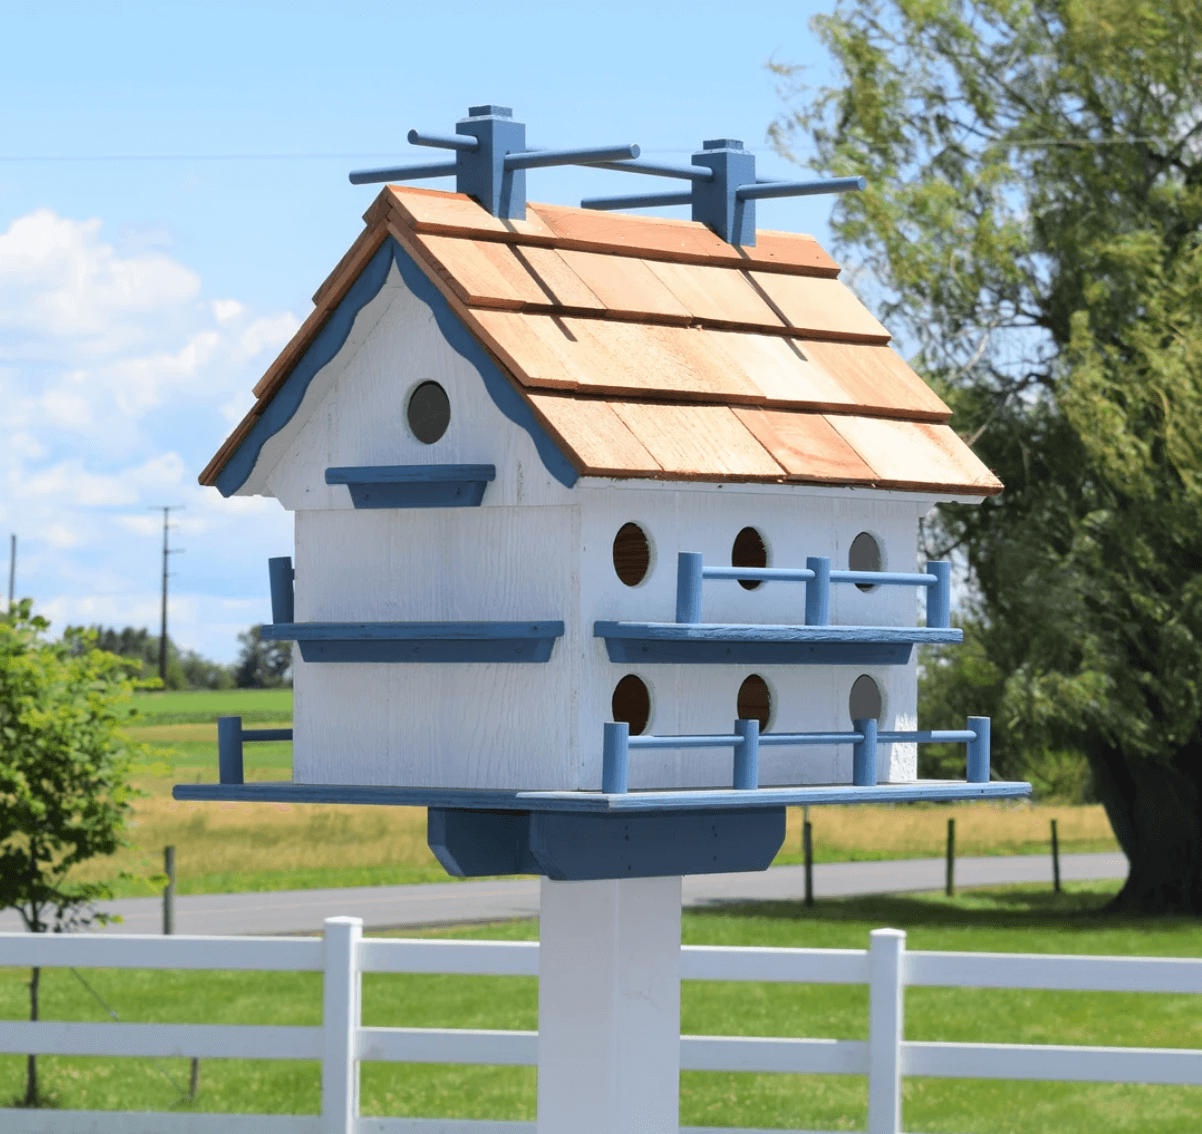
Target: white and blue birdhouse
<point>605,525</point>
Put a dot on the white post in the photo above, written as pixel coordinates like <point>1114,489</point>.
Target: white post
<point>609,1007</point>
<point>886,1022</point>
<point>339,1023</point>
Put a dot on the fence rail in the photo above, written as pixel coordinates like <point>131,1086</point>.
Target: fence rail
<point>340,1042</point>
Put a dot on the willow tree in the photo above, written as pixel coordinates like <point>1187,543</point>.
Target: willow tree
<point>64,767</point>
<point>1032,228</point>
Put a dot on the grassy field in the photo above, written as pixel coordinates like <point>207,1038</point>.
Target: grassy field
<point>228,847</point>
<point>1020,919</point>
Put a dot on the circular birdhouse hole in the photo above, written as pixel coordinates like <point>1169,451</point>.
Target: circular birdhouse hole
<point>865,702</point>
<point>755,701</point>
<point>632,555</point>
<point>864,555</point>
<point>428,412</point>
<point>632,703</point>
<point>749,550</point>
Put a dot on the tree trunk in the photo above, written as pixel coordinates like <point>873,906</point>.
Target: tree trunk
<point>31,1067</point>
<point>1155,810</point>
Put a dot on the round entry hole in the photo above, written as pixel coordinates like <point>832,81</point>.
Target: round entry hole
<point>749,551</point>
<point>865,700</point>
<point>632,554</point>
<point>429,412</point>
<point>755,701</point>
<point>864,555</point>
<point>632,703</point>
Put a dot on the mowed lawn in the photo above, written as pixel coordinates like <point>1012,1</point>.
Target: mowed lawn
<point>1017,919</point>
<point>242,847</point>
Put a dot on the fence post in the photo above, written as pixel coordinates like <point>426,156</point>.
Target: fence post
<point>229,750</point>
<point>886,1024</point>
<point>950,888</point>
<point>339,1024</point>
<point>807,846</point>
<point>169,890</point>
<point>1055,859</point>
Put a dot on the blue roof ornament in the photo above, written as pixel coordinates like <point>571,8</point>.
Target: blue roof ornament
<point>491,159</point>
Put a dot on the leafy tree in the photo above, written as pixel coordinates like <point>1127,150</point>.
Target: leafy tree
<point>186,669</point>
<point>64,765</point>
<point>1033,223</point>
<point>262,665</point>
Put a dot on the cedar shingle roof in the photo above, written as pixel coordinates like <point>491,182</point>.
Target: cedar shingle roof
<point>652,348</point>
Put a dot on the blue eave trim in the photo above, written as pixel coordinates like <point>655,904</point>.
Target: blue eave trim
<point>597,802</point>
<point>414,486</point>
<point>421,642</point>
<point>330,339</point>
<point>708,643</point>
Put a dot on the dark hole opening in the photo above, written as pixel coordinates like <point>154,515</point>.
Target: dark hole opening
<point>632,554</point>
<point>865,700</point>
<point>864,555</point>
<point>429,412</point>
<point>632,703</point>
<point>755,701</point>
<point>749,551</point>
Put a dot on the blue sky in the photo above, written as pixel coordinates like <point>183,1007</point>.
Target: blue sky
<point>173,189</point>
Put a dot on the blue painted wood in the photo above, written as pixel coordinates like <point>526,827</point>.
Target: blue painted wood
<point>720,740</point>
<point>747,756</point>
<point>587,155</point>
<point>414,486</point>
<point>716,202</point>
<point>333,334</point>
<point>863,753</point>
<point>763,189</point>
<point>978,751</point>
<point>429,642</point>
<point>402,173</point>
<point>595,802</point>
<point>229,750</point>
<point>669,643</point>
<point>280,577</point>
<point>818,592</point>
<point>658,169</point>
<point>637,201</point>
<point>443,141</point>
<point>688,587</point>
<point>927,736</point>
<point>884,578</point>
<point>584,847</point>
<point>762,574</point>
<point>615,758</point>
<point>939,597</point>
<point>266,734</point>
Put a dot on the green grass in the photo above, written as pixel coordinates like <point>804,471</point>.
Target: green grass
<point>1018,919</point>
<point>189,706</point>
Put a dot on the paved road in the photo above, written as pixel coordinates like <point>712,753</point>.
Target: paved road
<point>302,911</point>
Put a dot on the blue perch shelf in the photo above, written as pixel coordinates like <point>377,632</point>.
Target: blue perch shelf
<point>419,641</point>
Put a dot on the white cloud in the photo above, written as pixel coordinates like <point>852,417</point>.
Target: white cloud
<point>117,376</point>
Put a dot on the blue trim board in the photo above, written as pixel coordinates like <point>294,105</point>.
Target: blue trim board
<point>284,791</point>
<point>419,641</point>
<point>577,847</point>
<point>415,486</point>
<point>710,643</point>
<point>334,333</point>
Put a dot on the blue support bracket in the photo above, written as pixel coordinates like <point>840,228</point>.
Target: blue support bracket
<point>281,577</point>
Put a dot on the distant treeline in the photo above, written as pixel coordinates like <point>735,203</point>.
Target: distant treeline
<point>260,665</point>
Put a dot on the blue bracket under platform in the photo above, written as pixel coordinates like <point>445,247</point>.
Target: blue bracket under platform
<point>414,486</point>
<point>709,643</point>
<point>419,641</point>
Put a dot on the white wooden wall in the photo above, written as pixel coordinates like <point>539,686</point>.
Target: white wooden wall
<point>536,550</point>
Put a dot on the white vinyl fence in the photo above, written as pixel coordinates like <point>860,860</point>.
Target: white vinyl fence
<point>341,1042</point>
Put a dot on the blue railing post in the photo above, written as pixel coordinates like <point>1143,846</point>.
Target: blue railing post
<point>818,591</point>
<point>615,758</point>
<point>229,750</point>
<point>939,597</point>
<point>688,587</point>
<point>281,574</point>
<point>747,755</point>
<point>978,751</point>
<point>863,753</point>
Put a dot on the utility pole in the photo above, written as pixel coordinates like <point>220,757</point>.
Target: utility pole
<point>12,571</point>
<point>168,551</point>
